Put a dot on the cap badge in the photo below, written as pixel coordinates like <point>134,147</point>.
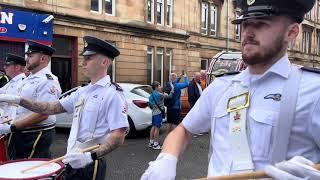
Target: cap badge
<point>85,44</point>
<point>250,2</point>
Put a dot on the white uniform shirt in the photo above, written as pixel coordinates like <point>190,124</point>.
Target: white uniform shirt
<point>104,109</point>
<point>12,86</point>
<point>41,86</point>
<point>210,113</point>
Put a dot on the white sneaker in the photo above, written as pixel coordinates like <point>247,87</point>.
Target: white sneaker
<point>150,145</point>
<point>156,147</point>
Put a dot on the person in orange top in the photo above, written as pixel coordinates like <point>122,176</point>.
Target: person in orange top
<point>203,79</point>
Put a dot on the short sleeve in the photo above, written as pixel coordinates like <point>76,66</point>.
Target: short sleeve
<point>198,120</point>
<point>117,112</point>
<point>49,91</point>
<point>315,122</point>
<point>68,102</point>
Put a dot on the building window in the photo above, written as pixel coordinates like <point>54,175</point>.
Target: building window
<point>150,11</point>
<point>213,17</point>
<point>167,65</point>
<point>149,64</point>
<point>318,11</point>
<point>204,64</point>
<point>160,14</point>
<point>164,11</point>
<point>308,15</point>
<point>158,66</point>
<point>169,12</point>
<point>204,18</point>
<point>209,21</point>
<point>318,43</point>
<point>306,42</point>
<point>110,7</point>
<point>238,28</point>
<point>96,6</point>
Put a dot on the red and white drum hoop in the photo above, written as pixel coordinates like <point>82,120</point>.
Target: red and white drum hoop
<point>13,170</point>
<point>3,154</point>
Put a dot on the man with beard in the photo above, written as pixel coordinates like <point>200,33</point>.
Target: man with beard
<point>99,113</point>
<point>32,133</point>
<point>278,129</point>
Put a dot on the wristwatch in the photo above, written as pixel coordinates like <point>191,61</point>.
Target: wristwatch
<point>94,155</point>
<point>13,128</point>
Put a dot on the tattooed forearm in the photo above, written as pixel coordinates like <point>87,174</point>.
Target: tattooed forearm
<point>42,107</point>
<point>111,144</point>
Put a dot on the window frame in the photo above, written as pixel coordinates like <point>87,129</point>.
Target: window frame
<point>161,12</point>
<point>151,52</point>
<point>204,12</point>
<point>306,41</point>
<point>113,8</point>
<point>169,13</point>
<point>99,7</point>
<point>152,11</point>
<point>161,64</point>
<point>215,12</point>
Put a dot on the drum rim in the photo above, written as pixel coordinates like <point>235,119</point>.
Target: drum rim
<point>34,159</point>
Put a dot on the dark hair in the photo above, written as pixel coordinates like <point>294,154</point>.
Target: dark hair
<point>155,84</point>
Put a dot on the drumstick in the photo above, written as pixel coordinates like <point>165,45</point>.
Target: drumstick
<point>60,158</point>
<point>249,175</point>
<point>6,121</point>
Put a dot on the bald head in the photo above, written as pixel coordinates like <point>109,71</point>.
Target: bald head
<point>173,77</point>
<point>197,76</point>
<point>203,74</point>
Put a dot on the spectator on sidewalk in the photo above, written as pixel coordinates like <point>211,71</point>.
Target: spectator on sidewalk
<point>203,79</point>
<point>156,102</point>
<point>174,108</point>
<point>194,89</point>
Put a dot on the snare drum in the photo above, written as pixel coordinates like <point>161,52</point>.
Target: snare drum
<point>13,170</point>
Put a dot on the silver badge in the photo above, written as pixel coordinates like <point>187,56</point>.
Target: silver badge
<point>250,2</point>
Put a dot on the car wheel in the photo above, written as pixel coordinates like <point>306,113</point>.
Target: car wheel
<point>131,131</point>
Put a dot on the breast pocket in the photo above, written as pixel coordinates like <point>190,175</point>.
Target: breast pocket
<point>91,114</point>
<point>261,127</point>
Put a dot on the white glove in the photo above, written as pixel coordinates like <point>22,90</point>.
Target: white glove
<point>297,168</point>
<point>9,98</point>
<point>5,129</point>
<point>77,159</point>
<point>163,168</point>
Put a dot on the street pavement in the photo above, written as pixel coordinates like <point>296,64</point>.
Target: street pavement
<point>131,159</point>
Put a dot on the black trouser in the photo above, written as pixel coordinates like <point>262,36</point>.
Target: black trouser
<point>93,171</point>
<point>30,144</point>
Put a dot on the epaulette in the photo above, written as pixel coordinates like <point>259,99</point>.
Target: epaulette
<point>49,76</point>
<point>310,69</point>
<point>118,88</point>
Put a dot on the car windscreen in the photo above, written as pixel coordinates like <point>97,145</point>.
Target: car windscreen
<point>225,65</point>
<point>144,91</point>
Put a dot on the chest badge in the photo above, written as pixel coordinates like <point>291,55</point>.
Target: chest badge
<point>237,116</point>
<point>275,97</point>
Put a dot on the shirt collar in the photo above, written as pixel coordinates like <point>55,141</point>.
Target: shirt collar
<point>282,68</point>
<point>42,72</point>
<point>19,76</point>
<point>104,81</point>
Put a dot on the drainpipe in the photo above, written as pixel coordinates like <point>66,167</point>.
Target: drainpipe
<point>227,19</point>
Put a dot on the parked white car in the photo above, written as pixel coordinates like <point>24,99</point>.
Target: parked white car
<point>139,113</point>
